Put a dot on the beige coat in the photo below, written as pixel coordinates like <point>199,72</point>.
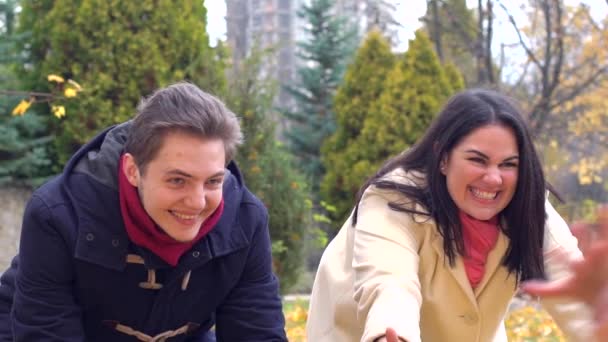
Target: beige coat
<point>389,271</point>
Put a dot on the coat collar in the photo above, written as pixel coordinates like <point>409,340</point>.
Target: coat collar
<point>458,272</point>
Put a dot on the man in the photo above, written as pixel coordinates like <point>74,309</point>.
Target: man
<point>589,281</point>
<point>147,235</point>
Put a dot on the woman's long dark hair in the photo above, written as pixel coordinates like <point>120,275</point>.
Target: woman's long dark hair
<point>525,214</point>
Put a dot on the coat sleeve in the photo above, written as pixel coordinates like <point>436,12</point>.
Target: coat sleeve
<point>44,307</point>
<point>385,262</point>
<point>253,309</point>
<point>573,317</point>
<point>7,291</point>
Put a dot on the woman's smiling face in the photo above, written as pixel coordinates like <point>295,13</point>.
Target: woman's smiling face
<point>481,171</point>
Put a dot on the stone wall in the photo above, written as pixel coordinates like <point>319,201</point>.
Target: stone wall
<point>12,204</point>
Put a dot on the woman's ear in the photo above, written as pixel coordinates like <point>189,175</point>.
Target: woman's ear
<point>443,164</point>
<point>130,169</point>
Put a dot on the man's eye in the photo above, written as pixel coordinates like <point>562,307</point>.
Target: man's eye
<point>176,181</point>
<point>216,181</point>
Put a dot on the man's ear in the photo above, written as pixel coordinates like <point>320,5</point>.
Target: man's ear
<point>131,170</point>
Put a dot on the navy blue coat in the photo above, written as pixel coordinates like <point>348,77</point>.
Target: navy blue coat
<point>78,277</point>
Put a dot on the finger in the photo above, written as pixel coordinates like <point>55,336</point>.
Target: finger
<point>601,306</point>
<point>583,235</point>
<point>594,264</point>
<point>602,220</point>
<point>591,274</point>
<point>601,315</point>
<point>560,287</point>
<point>598,253</point>
<point>601,332</point>
<point>391,335</point>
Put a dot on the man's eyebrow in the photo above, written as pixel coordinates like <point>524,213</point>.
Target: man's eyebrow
<point>217,174</point>
<point>482,155</point>
<point>179,172</point>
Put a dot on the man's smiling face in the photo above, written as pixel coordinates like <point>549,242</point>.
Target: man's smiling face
<point>182,186</point>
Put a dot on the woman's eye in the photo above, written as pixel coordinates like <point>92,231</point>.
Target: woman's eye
<point>477,160</point>
<point>510,165</point>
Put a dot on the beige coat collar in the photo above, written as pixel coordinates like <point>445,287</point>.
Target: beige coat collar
<point>493,263</point>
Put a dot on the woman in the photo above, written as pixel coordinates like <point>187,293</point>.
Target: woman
<point>442,235</point>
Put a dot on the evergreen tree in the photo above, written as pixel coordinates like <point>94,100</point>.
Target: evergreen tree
<point>455,77</point>
<point>268,168</point>
<point>119,51</point>
<point>380,15</point>
<point>413,94</point>
<point>375,14</point>
<point>324,54</point>
<point>8,13</point>
<point>363,84</point>
<point>453,31</point>
<point>24,159</point>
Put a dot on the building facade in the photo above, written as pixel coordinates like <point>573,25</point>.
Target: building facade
<point>266,24</point>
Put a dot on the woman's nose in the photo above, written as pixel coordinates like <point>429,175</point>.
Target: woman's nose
<point>493,176</point>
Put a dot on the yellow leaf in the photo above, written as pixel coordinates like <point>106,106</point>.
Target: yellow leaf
<point>585,180</point>
<point>55,78</point>
<point>69,92</point>
<point>22,107</point>
<point>75,85</point>
<point>58,111</point>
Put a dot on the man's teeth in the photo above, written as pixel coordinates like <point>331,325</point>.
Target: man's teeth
<point>484,194</point>
<point>184,217</point>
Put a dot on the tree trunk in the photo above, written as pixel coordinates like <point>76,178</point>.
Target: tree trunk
<point>437,29</point>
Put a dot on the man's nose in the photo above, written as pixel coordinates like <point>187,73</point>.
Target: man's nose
<point>197,199</point>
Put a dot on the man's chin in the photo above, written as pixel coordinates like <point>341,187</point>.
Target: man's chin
<point>184,238</point>
<point>180,235</point>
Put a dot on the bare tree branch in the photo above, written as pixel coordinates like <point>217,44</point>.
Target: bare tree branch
<point>523,75</point>
<point>479,48</point>
<point>577,90</point>
<point>488,45</point>
<point>26,93</point>
<point>587,13</point>
<point>461,30</point>
<point>559,30</point>
<point>550,72</point>
<point>519,35</point>
<point>436,28</point>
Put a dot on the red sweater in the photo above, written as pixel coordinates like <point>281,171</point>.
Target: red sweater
<point>479,239</point>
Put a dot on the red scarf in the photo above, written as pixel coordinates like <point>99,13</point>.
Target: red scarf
<point>480,237</point>
<point>144,232</point>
